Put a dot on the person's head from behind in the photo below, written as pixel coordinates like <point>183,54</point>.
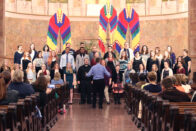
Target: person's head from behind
<point>18,76</point>
<point>86,61</point>
<point>16,66</point>
<point>103,62</point>
<point>3,89</point>
<point>41,83</point>
<point>134,77</point>
<point>142,77</point>
<point>98,60</point>
<point>57,76</point>
<point>152,76</point>
<point>180,79</point>
<point>7,77</point>
<point>154,67</point>
<point>82,44</point>
<point>168,83</point>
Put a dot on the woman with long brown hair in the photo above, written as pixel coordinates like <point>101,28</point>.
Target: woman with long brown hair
<point>144,53</point>
<point>152,60</point>
<point>123,61</point>
<point>167,58</point>
<point>6,95</point>
<point>158,54</point>
<point>53,58</point>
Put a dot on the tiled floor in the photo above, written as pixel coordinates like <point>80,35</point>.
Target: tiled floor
<point>85,118</point>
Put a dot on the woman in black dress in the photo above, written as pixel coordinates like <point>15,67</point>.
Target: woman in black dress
<point>137,61</point>
<point>18,55</point>
<point>167,58</point>
<point>55,69</point>
<point>26,59</point>
<point>187,61</point>
<point>152,60</point>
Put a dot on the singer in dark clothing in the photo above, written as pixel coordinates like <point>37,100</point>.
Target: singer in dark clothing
<point>85,82</point>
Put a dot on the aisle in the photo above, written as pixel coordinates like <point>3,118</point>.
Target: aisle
<point>84,118</point>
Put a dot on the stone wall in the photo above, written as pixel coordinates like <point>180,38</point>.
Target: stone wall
<point>153,33</point>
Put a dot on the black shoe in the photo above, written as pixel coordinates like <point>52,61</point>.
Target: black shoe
<point>89,102</point>
<point>115,102</point>
<point>108,103</point>
<point>119,102</point>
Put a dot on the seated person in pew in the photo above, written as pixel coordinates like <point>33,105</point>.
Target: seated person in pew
<point>135,78</point>
<point>18,84</point>
<point>178,83</point>
<point>6,95</point>
<point>171,93</point>
<point>57,79</point>
<point>185,85</point>
<point>142,81</point>
<point>152,87</point>
<point>40,86</point>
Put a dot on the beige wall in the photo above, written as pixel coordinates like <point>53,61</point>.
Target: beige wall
<point>153,33</point>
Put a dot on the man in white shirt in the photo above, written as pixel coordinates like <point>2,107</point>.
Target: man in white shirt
<point>128,51</point>
<point>67,58</point>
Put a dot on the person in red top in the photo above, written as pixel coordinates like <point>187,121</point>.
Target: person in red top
<point>93,61</point>
<point>180,69</point>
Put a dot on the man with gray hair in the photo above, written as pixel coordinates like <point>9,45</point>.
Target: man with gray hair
<point>84,82</point>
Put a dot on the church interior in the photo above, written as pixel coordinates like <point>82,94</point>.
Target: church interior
<point>146,44</point>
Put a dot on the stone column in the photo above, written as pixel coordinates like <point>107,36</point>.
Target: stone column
<point>192,32</point>
<point>2,28</point>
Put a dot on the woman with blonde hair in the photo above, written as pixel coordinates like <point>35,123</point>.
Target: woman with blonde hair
<point>70,77</point>
<point>16,67</point>
<point>167,58</point>
<point>57,79</point>
<point>31,73</point>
